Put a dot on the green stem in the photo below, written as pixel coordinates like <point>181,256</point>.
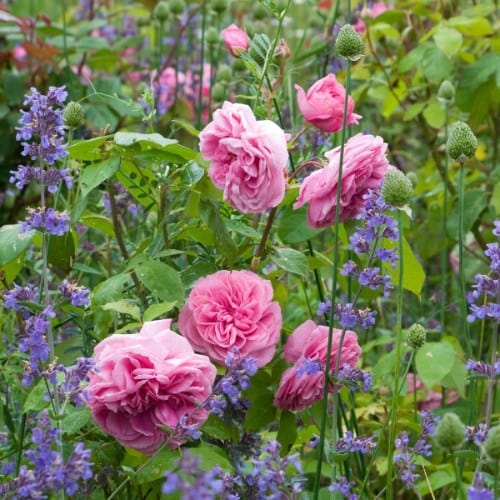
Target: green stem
<point>444,249</point>
<point>397,363</point>
<point>461,238</point>
<point>458,493</point>
<point>321,445</point>
<point>262,244</point>
<point>491,380</point>
<point>202,62</point>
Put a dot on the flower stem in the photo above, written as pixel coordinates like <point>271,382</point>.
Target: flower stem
<point>262,244</point>
<point>444,249</point>
<point>321,445</point>
<point>398,360</point>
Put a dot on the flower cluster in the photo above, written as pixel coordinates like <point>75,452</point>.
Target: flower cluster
<point>480,368</point>
<point>344,487</point>
<point>46,471</point>
<point>46,220</point>
<point>77,295</point>
<point>354,378</point>
<point>350,444</point>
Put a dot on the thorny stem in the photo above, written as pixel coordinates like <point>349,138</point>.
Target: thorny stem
<point>262,244</point>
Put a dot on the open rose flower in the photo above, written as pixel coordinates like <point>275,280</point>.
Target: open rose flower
<point>231,309</point>
<point>235,39</point>
<point>247,156</point>
<point>301,387</point>
<point>364,167</point>
<point>145,380</point>
<point>323,104</point>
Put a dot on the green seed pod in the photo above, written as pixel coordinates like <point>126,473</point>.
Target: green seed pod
<point>462,142</point>
<point>492,444</point>
<point>238,65</point>
<point>224,74</point>
<point>446,92</point>
<point>177,7</point>
<point>212,36</point>
<point>416,336</point>
<point>413,178</point>
<point>73,114</point>
<point>161,11</point>
<point>260,12</point>
<point>450,432</point>
<point>349,44</point>
<point>218,92</point>
<point>397,189</point>
<point>219,6</point>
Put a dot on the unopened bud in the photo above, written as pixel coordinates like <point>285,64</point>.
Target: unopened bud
<point>161,11</point>
<point>282,50</point>
<point>212,36</point>
<point>219,6</point>
<point>73,115</point>
<point>462,142</point>
<point>177,7</point>
<point>349,44</point>
<point>416,336</point>
<point>492,444</point>
<point>224,74</point>
<point>450,432</point>
<point>218,92</point>
<point>397,189</point>
<point>446,92</point>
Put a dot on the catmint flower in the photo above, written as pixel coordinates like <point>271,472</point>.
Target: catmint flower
<point>353,378</point>
<point>462,142</point>
<point>403,460</point>
<point>47,220</point>
<point>350,317</point>
<point>496,230</point>
<point>72,388</point>
<point>306,366</point>
<point>416,336</point>
<point>349,44</point>
<point>350,444</point>
<point>324,308</point>
<point>34,341</point>
<point>77,295</point>
<point>477,490</point>
<point>50,178</point>
<point>18,294</point>
<point>344,487</point>
<point>43,125</point>
<point>477,434</point>
<point>481,368</point>
<point>450,432</point>
<point>397,189</point>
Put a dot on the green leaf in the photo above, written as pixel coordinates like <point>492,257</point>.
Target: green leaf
<point>413,110</point>
<point>161,280</point>
<point>74,419</point>
<point>13,244</point>
<point>12,269</point>
<point>165,460</point>
<point>37,398</point>
<point>293,227</point>
<point>138,182</point>
<point>456,378</point>
<point>95,174</point>
<point>130,138</point>
<point>449,40</point>
<point>100,223</point>
<point>210,456</point>
<point>473,26</point>
<point>88,150</point>
<point>261,411</point>
<point>192,172</point>
<point>436,481</point>
<point>475,201</point>
<point>413,273</point>
<point>287,432</point>
<point>156,310</point>
<point>434,360</point>
<point>434,114</point>
<point>61,253</point>
<point>291,260</point>
<point>110,289</point>
<point>124,306</point>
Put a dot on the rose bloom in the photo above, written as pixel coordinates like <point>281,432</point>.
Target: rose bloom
<point>310,341</point>
<point>248,158</point>
<point>235,39</point>
<point>364,167</point>
<point>148,379</point>
<point>376,9</point>
<point>431,399</point>
<point>323,104</point>
<point>231,309</point>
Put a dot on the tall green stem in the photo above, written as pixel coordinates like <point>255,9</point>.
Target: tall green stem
<point>444,249</point>
<point>397,362</point>
<point>321,445</point>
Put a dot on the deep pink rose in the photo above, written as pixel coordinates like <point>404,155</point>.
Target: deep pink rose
<point>323,104</point>
<point>147,379</point>
<point>309,341</point>
<point>231,309</point>
<point>364,167</point>
<point>236,39</point>
<point>248,158</point>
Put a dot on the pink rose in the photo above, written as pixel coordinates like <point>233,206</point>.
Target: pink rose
<point>431,399</point>
<point>236,40</point>
<point>248,158</point>
<point>148,379</point>
<point>323,104</point>
<point>231,309</point>
<point>309,341</point>
<point>364,167</point>
<point>376,9</point>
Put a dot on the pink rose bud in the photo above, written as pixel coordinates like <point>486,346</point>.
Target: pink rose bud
<point>364,167</point>
<point>282,50</point>
<point>146,380</point>
<point>231,309</point>
<point>323,104</point>
<point>236,40</point>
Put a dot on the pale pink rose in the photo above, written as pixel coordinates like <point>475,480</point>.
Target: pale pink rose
<point>235,39</point>
<point>431,399</point>
<point>148,379</point>
<point>364,167</point>
<point>376,9</point>
<point>20,56</point>
<point>247,156</point>
<point>309,341</point>
<point>231,309</point>
<point>323,104</point>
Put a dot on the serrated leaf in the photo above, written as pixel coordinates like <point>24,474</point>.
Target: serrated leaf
<point>95,174</point>
<point>37,398</point>
<point>291,260</point>
<point>13,244</point>
<point>75,418</point>
<point>110,289</point>
<point>161,280</point>
<point>434,360</point>
<point>293,227</point>
<point>124,306</point>
<point>192,172</point>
